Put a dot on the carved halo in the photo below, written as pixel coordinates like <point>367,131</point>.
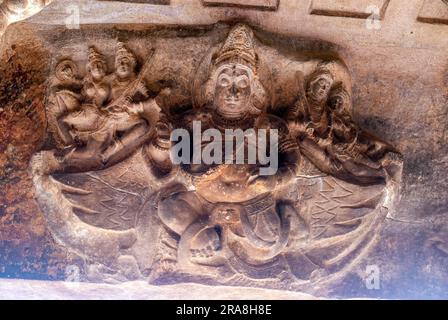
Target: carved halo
<point>61,69</point>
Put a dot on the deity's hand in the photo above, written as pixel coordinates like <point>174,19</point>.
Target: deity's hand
<point>128,106</point>
<point>120,105</point>
<point>141,87</point>
<point>309,131</point>
<point>325,142</point>
<point>134,108</point>
<point>299,129</point>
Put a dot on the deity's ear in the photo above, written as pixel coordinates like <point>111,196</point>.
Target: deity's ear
<point>88,68</point>
<point>300,85</point>
<point>207,91</point>
<point>259,97</point>
<point>203,85</point>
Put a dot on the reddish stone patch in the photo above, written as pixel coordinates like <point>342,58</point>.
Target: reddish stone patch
<point>26,248</point>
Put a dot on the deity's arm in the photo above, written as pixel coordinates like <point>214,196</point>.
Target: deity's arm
<point>375,148</point>
<point>342,159</point>
<point>319,157</point>
<point>148,110</point>
<point>142,89</point>
<point>289,157</point>
<point>61,103</point>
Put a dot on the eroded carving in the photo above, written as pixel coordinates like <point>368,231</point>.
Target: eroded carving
<point>145,1</point>
<point>112,176</point>
<point>106,121</point>
<point>16,10</point>
<point>264,5</point>
<point>350,8</point>
<point>434,11</point>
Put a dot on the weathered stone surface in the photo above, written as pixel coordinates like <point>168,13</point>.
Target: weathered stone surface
<point>104,204</point>
<point>433,11</point>
<point>17,10</point>
<point>349,8</point>
<point>260,4</point>
<point>138,290</point>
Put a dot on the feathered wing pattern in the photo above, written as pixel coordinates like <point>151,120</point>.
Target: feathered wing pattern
<point>96,214</point>
<point>85,239</point>
<point>339,207</point>
<point>111,200</point>
<point>341,220</point>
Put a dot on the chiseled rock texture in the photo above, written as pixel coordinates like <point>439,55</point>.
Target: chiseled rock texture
<point>397,64</point>
<point>137,290</point>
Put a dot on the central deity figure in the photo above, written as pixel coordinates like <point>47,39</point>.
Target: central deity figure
<point>232,207</point>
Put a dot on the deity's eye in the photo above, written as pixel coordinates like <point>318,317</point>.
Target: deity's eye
<point>98,66</point>
<point>224,81</point>
<point>335,102</point>
<point>323,83</point>
<point>242,82</point>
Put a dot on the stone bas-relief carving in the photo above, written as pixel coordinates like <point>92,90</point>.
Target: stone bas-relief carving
<point>111,193</point>
<point>99,121</point>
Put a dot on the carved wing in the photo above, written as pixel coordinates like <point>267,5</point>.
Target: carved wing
<point>111,199</point>
<point>96,213</point>
<point>333,207</point>
<point>340,219</point>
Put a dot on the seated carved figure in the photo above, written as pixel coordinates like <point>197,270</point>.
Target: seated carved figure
<point>87,118</point>
<point>348,138</point>
<point>96,90</point>
<point>125,77</point>
<point>232,209</point>
<point>65,97</point>
<point>329,138</point>
<point>104,124</point>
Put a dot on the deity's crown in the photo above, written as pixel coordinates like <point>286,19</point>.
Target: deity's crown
<point>123,52</point>
<point>322,69</point>
<point>239,47</point>
<point>340,90</point>
<point>95,56</point>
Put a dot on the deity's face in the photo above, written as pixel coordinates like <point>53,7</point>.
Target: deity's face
<point>97,70</point>
<point>339,102</point>
<point>124,67</point>
<point>233,91</point>
<point>320,87</point>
